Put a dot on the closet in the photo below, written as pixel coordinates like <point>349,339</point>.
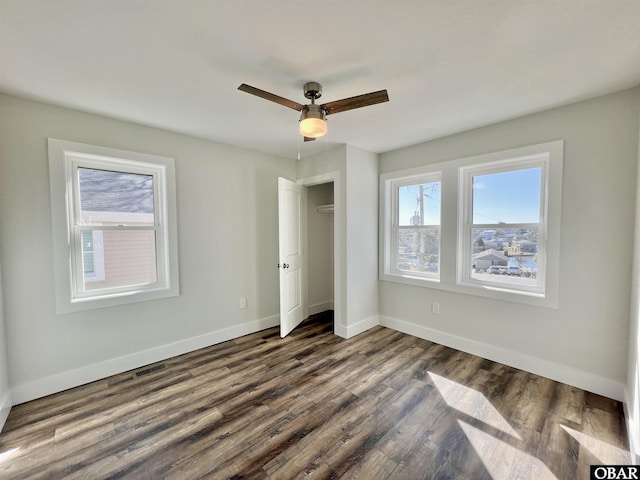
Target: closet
<point>320,248</point>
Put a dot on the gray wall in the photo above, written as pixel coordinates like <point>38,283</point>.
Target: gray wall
<point>356,233</point>
<point>632,391</point>
<point>584,341</point>
<point>5,389</point>
<point>227,223</point>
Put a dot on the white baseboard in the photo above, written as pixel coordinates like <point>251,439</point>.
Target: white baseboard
<point>320,307</point>
<point>79,376</point>
<point>632,430</point>
<point>554,371</point>
<point>73,378</point>
<point>362,326</point>
<point>5,408</point>
<point>340,330</point>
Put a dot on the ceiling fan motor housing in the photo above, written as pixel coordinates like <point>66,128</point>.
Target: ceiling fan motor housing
<point>312,90</point>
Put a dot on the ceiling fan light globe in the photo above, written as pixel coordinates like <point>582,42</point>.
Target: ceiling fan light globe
<point>312,121</point>
<point>313,127</point>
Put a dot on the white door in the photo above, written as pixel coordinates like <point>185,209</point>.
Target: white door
<point>290,205</point>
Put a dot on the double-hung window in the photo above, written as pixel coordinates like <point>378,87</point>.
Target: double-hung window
<point>503,235</point>
<point>487,225</point>
<point>415,234</point>
<point>114,226</point>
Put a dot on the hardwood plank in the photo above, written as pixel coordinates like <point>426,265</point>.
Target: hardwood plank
<point>567,402</point>
<point>528,412</point>
<point>382,405</point>
<point>375,465</point>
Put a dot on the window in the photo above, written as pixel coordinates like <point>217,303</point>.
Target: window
<point>487,225</point>
<point>503,227</point>
<point>416,227</point>
<point>114,236</point>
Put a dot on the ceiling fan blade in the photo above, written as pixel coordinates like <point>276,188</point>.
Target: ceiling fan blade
<point>356,102</point>
<point>270,96</point>
<point>309,139</point>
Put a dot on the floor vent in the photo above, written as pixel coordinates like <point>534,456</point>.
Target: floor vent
<point>149,370</point>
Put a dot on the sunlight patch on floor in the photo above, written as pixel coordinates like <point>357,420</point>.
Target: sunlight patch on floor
<point>471,402</point>
<point>607,454</point>
<point>4,456</point>
<point>503,461</point>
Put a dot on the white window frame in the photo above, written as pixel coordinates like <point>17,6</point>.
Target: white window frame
<point>65,158</point>
<point>393,227</point>
<point>466,221</point>
<point>455,265</point>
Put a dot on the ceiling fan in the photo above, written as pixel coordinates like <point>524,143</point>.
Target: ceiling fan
<point>313,122</point>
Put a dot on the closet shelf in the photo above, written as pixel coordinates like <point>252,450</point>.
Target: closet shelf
<point>325,208</point>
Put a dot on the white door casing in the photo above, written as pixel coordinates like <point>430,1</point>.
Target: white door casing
<point>290,255</point>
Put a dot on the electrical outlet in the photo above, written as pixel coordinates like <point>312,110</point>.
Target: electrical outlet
<point>243,303</point>
<point>435,308</point>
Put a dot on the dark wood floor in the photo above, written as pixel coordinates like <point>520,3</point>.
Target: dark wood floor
<point>382,405</point>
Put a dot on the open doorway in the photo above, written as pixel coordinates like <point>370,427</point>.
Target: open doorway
<point>310,245</point>
<point>320,248</point>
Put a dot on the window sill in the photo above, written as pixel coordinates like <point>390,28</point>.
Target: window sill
<point>410,279</point>
<point>486,291</point>
<point>112,300</point>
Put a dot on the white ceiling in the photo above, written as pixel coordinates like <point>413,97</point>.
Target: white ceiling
<point>448,66</point>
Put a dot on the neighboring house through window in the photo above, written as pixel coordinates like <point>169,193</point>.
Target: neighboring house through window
<point>88,259</point>
<point>119,216</point>
<point>117,228</point>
